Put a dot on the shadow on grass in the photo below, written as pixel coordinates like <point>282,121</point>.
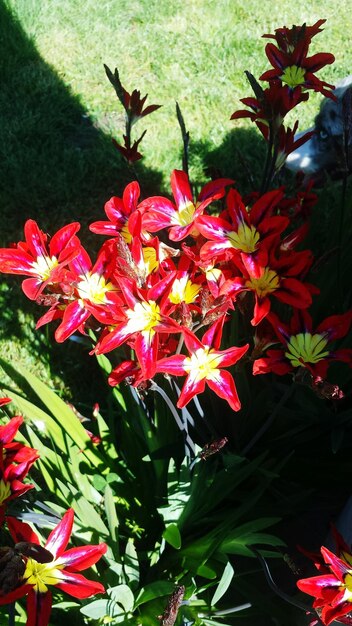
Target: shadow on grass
<point>240,156</point>
<point>57,166</point>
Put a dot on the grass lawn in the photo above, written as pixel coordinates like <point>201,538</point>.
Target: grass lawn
<point>59,113</point>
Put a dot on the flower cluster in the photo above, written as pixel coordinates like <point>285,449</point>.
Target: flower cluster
<point>291,77</point>
<point>27,569</point>
<point>171,268</point>
<point>16,460</point>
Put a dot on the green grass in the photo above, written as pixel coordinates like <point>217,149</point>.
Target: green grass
<point>59,112</point>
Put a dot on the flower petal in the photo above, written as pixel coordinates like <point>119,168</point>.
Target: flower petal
<point>59,537</point>
<point>38,608</point>
<point>75,314</point>
<point>9,430</point>
<point>78,559</point>
<point>20,531</point>
<point>224,386</point>
<point>191,388</point>
<point>78,586</point>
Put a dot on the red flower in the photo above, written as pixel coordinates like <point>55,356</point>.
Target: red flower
<point>145,317</point>
<point>132,102</point>
<point>290,61</point>
<point>121,212</point>
<point>130,152</point>
<point>35,258</point>
<point>203,366</point>
<point>4,401</point>
<point>270,108</point>
<point>88,288</point>
<point>60,572</point>
<point>287,143</point>
<point>159,212</point>
<point>332,590</point>
<point>16,460</point>
<point>247,235</point>
<point>304,347</point>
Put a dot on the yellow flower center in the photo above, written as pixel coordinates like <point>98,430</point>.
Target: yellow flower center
<point>266,283</point>
<point>93,287</point>
<point>202,364</point>
<point>43,265</point>
<point>143,317</point>
<point>293,76</point>
<point>212,273</point>
<point>125,233</point>
<point>183,290</point>
<point>5,490</point>
<point>348,588</point>
<point>306,348</point>
<point>245,239</point>
<point>42,574</point>
<point>151,262</point>
<point>184,215</point>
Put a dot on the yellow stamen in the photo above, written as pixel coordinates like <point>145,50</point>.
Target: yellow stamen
<point>348,587</point>
<point>125,233</point>
<point>184,215</point>
<point>306,348</point>
<point>93,287</point>
<point>144,317</point>
<point>267,283</point>
<point>183,290</point>
<point>203,364</point>
<point>293,76</point>
<point>151,262</point>
<point>212,274</point>
<point>43,266</point>
<point>245,239</point>
<point>5,490</point>
<point>42,574</point>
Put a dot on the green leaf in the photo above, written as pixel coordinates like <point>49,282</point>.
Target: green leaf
<point>206,572</point>
<point>254,526</point>
<point>172,535</point>
<point>224,583</point>
<point>111,515</point>
<point>154,590</point>
<point>40,419</point>
<point>64,415</point>
<point>96,609</point>
<point>123,595</point>
<point>239,545</point>
<point>66,605</point>
<point>99,482</point>
<point>131,564</point>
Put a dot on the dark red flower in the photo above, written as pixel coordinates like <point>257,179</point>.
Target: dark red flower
<point>304,347</point>
<point>289,59</point>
